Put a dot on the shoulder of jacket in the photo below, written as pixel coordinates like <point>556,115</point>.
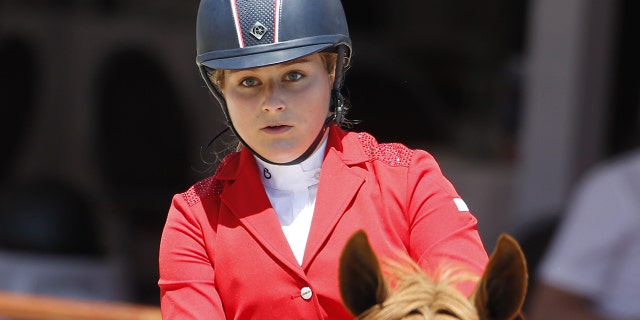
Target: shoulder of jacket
<point>392,154</point>
<point>211,185</point>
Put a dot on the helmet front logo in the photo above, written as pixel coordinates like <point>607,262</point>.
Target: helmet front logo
<point>258,30</point>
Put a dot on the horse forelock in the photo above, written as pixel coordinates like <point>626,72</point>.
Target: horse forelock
<point>416,296</point>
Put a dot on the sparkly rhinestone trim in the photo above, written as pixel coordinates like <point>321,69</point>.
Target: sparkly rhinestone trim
<point>393,154</point>
<point>201,190</point>
<point>205,188</point>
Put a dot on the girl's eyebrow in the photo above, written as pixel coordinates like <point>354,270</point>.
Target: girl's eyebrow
<point>283,64</point>
<point>299,60</point>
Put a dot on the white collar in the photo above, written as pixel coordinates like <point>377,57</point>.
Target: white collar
<point>293,177</point>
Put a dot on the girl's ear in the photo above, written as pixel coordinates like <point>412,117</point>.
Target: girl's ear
<point>332,76</point>
<point>502,289</point>
<point>332,73</point>
<point>361,282</point>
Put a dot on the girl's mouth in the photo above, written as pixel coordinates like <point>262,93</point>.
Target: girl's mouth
<point>276,129</point>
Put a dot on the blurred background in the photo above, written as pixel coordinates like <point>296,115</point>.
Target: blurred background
<point>103,114</point>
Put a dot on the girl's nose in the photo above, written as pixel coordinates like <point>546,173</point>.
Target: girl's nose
<point>274,100</point>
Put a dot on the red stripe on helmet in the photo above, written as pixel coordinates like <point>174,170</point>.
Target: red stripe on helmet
<point>276,21</point>
<point>236,20</point>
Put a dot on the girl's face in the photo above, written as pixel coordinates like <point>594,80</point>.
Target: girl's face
<point>278,110</point>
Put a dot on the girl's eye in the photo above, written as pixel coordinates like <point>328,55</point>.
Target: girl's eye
<point>293,76</point>
<point>249,82</point>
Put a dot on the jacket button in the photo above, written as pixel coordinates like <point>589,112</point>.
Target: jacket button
<point>306,293</point>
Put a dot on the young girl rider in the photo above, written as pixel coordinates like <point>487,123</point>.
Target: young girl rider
<point>261,238</point>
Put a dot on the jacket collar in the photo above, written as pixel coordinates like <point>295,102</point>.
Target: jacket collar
<point>338,185</point>
<point>353,155</point>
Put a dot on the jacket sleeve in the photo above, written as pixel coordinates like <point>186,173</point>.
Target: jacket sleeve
<point>187,287</point>
<point>443,231</point>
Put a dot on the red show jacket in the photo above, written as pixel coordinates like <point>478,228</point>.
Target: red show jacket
<point>223,254</point>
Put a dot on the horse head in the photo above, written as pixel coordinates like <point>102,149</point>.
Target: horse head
<point>367,294</point>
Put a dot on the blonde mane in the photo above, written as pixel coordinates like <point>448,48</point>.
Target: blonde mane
<point>415,295</point>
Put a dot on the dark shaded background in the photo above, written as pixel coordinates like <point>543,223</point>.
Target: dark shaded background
<point>103,112</point>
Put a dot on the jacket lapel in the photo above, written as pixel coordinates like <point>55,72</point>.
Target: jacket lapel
<point>339,184</point>
<point>248,201</point>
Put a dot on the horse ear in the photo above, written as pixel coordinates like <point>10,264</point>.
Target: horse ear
<point>502,289</point>
<point>361,282</point>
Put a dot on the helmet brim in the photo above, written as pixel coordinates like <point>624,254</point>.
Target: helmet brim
<point>260,56</point>
<point>261,59</point>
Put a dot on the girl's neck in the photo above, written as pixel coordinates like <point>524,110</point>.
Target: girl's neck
<point>291,177</point>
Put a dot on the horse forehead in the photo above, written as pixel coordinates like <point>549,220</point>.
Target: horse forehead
<point>446,317</point>
<point>417,316</point>
<point>429,300</point>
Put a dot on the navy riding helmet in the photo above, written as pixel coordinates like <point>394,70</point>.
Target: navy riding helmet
<point>240,34</point>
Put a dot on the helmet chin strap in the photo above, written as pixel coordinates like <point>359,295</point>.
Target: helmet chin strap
<point>312,148</point>
<point>336,106</point>
<point>337,100</point>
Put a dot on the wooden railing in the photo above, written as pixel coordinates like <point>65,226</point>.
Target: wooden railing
<point>36,307</point>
